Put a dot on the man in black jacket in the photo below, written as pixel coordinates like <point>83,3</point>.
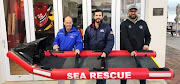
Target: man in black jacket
<point>135,34</point>
<point>99,36</point>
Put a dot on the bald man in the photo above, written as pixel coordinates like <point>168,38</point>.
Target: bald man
<point>68,38</point>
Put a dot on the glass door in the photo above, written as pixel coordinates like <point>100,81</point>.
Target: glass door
<point>15,34</point>
<point>54,11</point>
<point>126,3</point>
<point>123,10</point>
<point>43,21</point>
<point>2,44</point>
<point>105,6</point>
<point>109,13</point>
<point>74,9</point>
<point>43,18</point>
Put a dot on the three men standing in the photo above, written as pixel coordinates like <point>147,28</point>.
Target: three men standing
<point>135,35</point>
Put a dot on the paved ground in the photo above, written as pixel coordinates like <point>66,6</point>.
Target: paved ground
<point>173,42</point>
<point>86,82</point>
<point>173,57</point>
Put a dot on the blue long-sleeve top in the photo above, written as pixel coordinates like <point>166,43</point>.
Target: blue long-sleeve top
<point>66,41</point>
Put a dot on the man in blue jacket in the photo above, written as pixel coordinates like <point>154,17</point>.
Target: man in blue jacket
<point>68,37</point>
<point>99,36</point>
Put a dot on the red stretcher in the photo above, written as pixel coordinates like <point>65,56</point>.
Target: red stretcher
<point>59,65</point>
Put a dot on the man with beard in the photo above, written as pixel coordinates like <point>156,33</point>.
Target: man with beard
<point>99,36</point>
<point>135,35</point>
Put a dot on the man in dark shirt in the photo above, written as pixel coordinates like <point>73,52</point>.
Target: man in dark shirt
<point>99,36</point>
<point>135,35</point>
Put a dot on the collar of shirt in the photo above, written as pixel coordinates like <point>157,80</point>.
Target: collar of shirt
<point>135,21</point>
<point>93,25</point>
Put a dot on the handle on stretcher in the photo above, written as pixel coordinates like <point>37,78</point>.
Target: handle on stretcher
<point>90,53</point>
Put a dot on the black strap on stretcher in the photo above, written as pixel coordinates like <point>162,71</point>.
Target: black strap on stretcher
<point>102,68</point>
<point>48,68</point>
<point>103,64</point>
<point>137,62</point>
<point>77,60</point>
<point>59,51</point>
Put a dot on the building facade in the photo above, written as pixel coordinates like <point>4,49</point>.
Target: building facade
<point>23,21</point>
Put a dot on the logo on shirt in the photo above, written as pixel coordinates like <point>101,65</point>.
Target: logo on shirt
<point>71,36</point>
<point>140,27</point>
<point>102,30</point>
<point>130,26</point>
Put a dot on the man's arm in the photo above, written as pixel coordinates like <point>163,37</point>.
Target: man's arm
<point>147,36</point>
<point>79,44</point>
<point>86,40</point>
<point>56,42</point>
<point>109,41</point>
<point>125,39</point>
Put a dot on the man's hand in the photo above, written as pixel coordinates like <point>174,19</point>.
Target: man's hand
<point>133,53</point>
<point>77,51</point>
<point>145,47</point>
<point>103,54</point>
<point>55,47</point>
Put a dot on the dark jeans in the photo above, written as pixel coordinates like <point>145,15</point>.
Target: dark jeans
<point>123,81</point>
<point>141,81</point>
<point>100,81</point>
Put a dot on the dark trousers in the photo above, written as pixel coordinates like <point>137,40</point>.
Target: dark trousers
<point>100,81</point>
<point>141,81</point>
<point>123,81</point>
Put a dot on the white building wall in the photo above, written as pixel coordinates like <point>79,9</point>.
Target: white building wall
<point>157,27</point>
<point>2,71</point>
<point>2,42</point>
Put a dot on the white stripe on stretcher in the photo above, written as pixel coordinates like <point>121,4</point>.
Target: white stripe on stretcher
<point>41,72</point>
<point>159,74</point>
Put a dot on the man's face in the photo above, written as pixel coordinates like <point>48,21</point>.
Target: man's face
<point>98,17</point>
<point>68,23</point>
<point>133,14</point>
